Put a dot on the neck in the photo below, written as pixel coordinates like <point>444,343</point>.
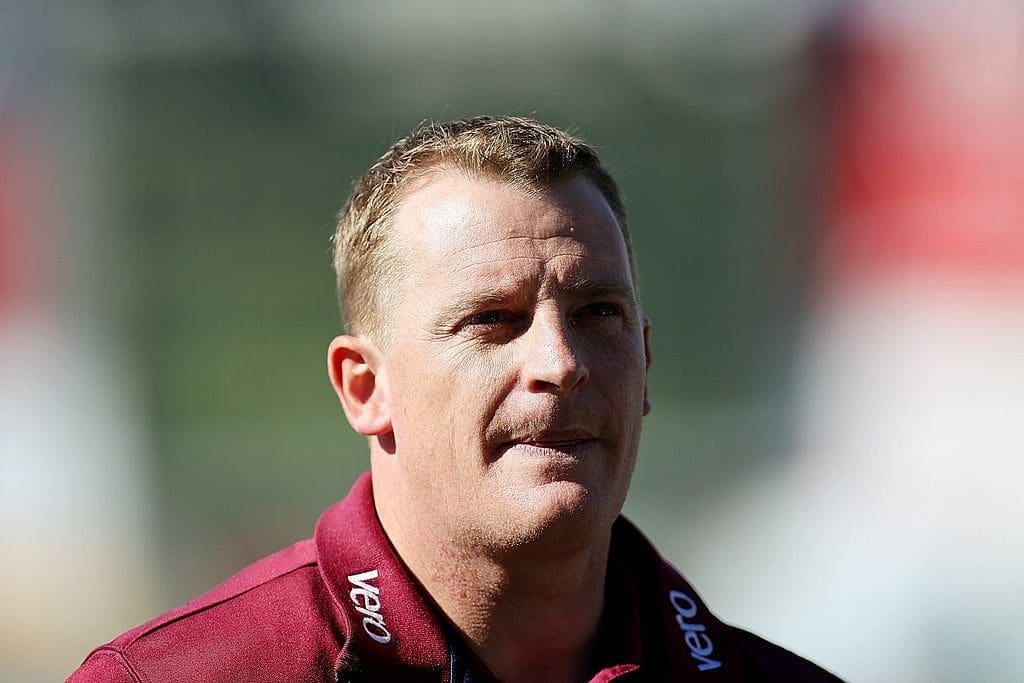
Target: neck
<point>531,618</point>
<point>531,614</point>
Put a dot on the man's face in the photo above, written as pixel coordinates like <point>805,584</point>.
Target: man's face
<point>516,373</point>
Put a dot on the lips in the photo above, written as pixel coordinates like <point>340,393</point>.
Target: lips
<point>570,442</point>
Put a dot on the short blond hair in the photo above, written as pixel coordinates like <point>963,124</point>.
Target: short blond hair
<point>517,150</point>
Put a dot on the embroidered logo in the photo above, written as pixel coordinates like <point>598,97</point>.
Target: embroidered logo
<point>694,634</point>
<point>366,599</point>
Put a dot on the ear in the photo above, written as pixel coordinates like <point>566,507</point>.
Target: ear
<point>647,357</point>
<point>353,364</point>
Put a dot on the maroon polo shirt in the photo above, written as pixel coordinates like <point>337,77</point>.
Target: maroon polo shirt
<point>342,607</point>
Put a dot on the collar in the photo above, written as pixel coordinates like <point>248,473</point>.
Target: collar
<point>389,629</point>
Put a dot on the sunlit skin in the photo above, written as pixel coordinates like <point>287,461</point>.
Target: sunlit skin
<point>504,412</point>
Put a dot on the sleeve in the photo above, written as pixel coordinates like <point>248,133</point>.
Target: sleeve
<point>104,666</point>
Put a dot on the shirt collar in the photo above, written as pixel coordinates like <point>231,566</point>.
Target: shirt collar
<point>390,627</point>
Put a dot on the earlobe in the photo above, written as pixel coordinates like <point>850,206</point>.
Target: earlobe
<point>647,360</point>
<point>354,368</point>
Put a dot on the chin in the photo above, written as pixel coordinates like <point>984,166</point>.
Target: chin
<point>566,512</point>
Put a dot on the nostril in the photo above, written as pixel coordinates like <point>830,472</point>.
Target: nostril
<point>551,362</point>
<point>556,370</point>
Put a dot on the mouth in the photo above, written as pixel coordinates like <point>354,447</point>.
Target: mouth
<point>570,443</point>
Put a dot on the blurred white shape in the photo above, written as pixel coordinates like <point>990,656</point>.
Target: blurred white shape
<point>74,508</point>
<point>895,542</point>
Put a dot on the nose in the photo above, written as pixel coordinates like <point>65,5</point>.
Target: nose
<point>551,363</point>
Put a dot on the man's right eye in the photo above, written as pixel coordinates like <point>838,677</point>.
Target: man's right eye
<point>487,318</point>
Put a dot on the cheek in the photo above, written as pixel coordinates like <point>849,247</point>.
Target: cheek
<point>449,397</point>
<point>479,373</point>
<point>621,358</point>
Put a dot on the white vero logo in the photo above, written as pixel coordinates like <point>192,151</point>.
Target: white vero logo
<point>366,599</point>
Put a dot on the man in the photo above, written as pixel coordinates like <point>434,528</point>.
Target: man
<point>496,358</point>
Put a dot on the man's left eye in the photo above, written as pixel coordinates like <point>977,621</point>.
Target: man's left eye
<point>601,308</point>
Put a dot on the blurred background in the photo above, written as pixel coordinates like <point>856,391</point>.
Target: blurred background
<point>827,200</point>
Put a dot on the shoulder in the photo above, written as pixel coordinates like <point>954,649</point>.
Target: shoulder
<point>774,663</point>
<point>274,620</point>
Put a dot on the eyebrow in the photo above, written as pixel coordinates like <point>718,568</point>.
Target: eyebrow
<point>501,295</point>
<point>603,287</point>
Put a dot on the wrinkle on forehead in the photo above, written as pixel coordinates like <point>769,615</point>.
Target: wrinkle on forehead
<point>511,239</point>
<point>491,266</point>
<point>514,250</point>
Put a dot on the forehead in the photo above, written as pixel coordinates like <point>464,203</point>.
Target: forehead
<point>490,227</point>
